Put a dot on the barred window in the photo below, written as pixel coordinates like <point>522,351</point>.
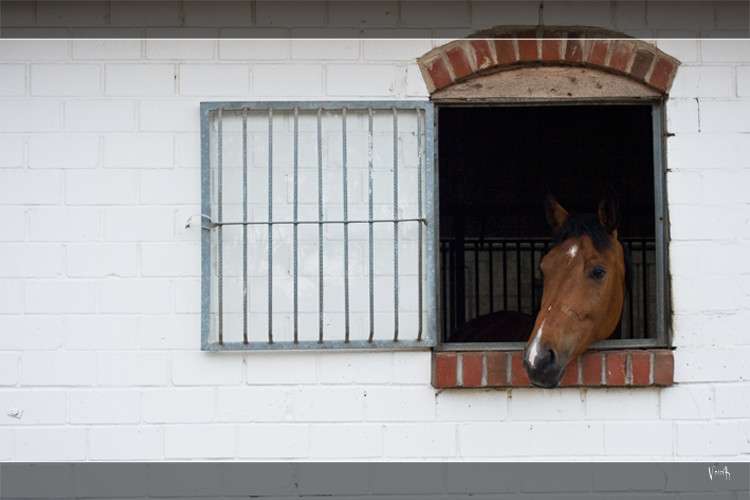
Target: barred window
<point>318,225</point>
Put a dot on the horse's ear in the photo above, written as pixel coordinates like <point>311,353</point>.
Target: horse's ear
<point>556,214</point>
<point>609,211</point>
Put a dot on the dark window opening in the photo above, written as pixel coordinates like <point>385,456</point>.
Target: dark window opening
<point>494,165</point>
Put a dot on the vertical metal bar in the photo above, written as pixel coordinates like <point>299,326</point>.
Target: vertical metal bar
<point>505,276</point>
<point>432,215</point>
<point>296,227</point>
<point>420,166</point>
<point>244,226</point>
<point>395,225</point>
<point>320,225</point>
<point>346,227</point>
<point>370,153</point>
<point>631,302</point>
<point>532,267</point>
<point>454,287</point>
<point>491,274</point>
<point>206,233</point>
<point>270,225</point>
<point>644,288</point>
<point>476,279</point>
<point>460,273</point>
<point>219,232</point>
<point>444,273</point>
<point>657,123</point>
<point>518,276</point>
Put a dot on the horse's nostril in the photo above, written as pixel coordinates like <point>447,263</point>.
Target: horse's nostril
<point>551,357</point>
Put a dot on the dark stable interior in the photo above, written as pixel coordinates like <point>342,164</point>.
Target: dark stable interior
<point>495,162</point>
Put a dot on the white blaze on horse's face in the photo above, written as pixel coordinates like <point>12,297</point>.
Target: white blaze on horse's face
<point>533,352</point>
<point>572,251</point>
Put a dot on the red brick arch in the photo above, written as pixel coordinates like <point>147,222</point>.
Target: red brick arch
<point>508,48</point>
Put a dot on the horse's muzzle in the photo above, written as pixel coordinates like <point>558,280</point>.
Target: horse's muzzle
<point>546,371</point>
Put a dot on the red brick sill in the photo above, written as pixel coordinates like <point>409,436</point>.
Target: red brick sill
<point>621,368</point>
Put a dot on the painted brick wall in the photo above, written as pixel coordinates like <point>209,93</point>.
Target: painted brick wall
<point>99,278</point>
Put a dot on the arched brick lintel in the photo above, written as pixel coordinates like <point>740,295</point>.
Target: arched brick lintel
<point>507,48</point>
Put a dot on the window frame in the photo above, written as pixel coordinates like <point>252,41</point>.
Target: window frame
<point>432,336</point>
<point>428,337</point>
<point>663,337</point>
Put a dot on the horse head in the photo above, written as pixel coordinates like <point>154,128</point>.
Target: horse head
<point>585,284</point>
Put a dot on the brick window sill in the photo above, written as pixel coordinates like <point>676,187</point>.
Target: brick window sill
<point>616,368</point>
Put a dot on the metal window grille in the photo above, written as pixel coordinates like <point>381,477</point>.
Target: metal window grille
<point>318,225</point>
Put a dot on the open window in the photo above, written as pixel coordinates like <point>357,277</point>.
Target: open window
<point>572,109</point>
<point>495,162</point>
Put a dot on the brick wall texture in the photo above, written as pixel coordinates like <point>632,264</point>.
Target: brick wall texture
<point>100,279</point>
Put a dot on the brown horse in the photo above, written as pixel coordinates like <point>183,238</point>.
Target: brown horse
<point>499,326</point>
<point>585,284</point>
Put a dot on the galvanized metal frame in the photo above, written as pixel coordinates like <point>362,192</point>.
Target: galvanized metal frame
<point>663,292</point>
<point>427,223</point>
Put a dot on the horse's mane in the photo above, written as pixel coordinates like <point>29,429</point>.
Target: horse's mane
<point>580,225</point>
<point>588,224</point>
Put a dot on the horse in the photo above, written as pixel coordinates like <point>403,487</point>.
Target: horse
<point>498,326</point>
<point>586,277</point>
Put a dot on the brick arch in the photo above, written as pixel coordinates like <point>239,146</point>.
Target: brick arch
<point>509,48</point>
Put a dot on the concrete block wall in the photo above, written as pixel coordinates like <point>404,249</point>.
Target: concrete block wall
<point>100,279</point>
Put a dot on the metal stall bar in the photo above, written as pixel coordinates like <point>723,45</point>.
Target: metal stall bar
<point>220,201</point>
<point>445,281</point>
<point>505,275</point>
<point>476,279</point>
<point>395,225</point>
<point>244,227</point>
<point>631,305</point>
<point>644,285</point>
<point>532,274</point>
<point>320,225</point>
<point>491,275</point>
<point>270,225</point>
<point>370,152</point>
<point>346,226</point>
<point>519,285</point>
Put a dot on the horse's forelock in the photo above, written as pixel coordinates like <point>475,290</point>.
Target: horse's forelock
<point>589,225</point>
<point>584,225</point>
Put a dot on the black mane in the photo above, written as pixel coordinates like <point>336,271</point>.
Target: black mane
<point>589,225</point>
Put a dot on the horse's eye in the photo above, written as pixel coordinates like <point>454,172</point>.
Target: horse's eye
<point>597,273</point>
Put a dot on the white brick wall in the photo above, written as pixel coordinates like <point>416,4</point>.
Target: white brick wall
<point>99,289</point>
